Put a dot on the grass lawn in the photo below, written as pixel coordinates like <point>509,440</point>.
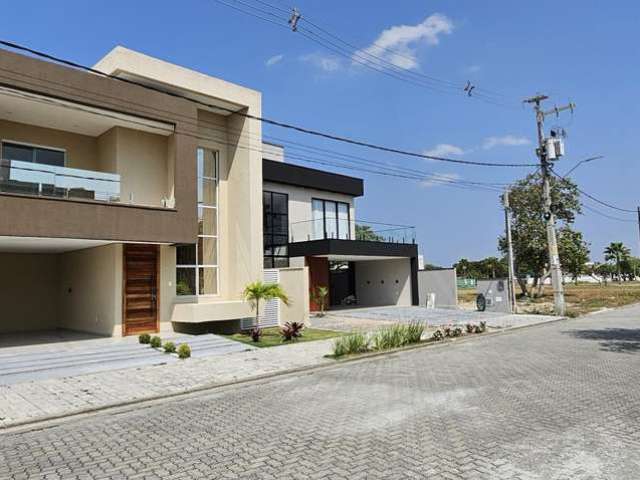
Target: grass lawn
<point>271,337</point>
<point>581,299</point>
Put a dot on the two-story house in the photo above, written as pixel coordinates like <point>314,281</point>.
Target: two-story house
<point>310,220</point>
<point>124,209</point>
<point>133,202</point>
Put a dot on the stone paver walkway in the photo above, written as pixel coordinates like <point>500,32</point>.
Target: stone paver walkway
<point>557,402</point>
<point>40,399</point>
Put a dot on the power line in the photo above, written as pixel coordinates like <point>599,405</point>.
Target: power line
<point>422,175</point>
<point>588,195</point>
<point>266,120</point>
<point>610,217</point>
<point>370,60</point>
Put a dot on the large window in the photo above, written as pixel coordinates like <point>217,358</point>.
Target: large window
<point>330,219</point>
<point>33,154</point>
<point>197,265</point>
<point>276,229</point>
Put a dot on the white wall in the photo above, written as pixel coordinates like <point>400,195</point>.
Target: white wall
<point>383,282</point>
<point>300,206</point>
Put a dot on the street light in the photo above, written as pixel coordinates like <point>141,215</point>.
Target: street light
<point>586,160</point>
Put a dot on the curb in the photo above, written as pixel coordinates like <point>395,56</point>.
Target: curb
<point>42,423</point>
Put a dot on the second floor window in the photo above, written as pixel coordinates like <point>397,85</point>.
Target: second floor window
<point>32,154</point>
<point>330,219</point>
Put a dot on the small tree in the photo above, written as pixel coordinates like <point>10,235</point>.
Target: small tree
<point>618,253</point>
<point>574,252</point>
<point>257,292</point>
<point>319,297</point>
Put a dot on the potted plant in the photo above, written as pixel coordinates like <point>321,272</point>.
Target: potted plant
<point>319,297</point>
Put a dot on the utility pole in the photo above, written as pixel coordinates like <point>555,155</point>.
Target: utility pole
<point>548,150</point>
<point>638,226</point>
<point>507,221</point>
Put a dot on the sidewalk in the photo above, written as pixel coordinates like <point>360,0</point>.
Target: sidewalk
<point>45,399</point>
<point>39,400</point>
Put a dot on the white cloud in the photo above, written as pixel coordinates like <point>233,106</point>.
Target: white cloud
<point>273,60</point>
<point>397,44</point>
<point>323,62</point>
<point>504,141</point>
<point>444,149</point>
<point>439,179</point>
<point>472,69</point>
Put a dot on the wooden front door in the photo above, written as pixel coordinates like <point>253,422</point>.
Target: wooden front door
<point>140,289</point>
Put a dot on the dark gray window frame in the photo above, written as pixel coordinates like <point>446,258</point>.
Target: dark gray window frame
<point>324,216</point>
<point>269,259</point>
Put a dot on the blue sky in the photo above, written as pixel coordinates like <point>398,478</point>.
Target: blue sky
<point>572,50</point>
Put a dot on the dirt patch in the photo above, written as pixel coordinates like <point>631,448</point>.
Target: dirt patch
<point>581,299</point>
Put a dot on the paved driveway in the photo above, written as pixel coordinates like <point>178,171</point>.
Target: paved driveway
<point>376,317</point>
<point>559,401</point>
<point>57,354</point>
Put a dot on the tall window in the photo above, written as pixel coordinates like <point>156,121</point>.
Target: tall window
<point>330,219</point>
<point>275,229</point>
<point>197,265</point>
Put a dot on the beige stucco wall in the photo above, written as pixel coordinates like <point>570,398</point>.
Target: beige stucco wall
<point>144,161</point>
<point>81,150</point>
<point>167,285</point>
<point>295,282</point>
<point>28,292</point>
<point>90,290</point>
<point>300,207</point>
<point>377,293</point>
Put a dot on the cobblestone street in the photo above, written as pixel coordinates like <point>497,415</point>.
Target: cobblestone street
<point>558,401</point>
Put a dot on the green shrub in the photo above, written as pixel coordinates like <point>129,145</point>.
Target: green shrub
<point>169,347</point>
<point>156,341</point>
<point>456,332</point>
<point>469,328</point>
<point>144,338</point>
<point>352,343</point>
<point>397,336</point>
<point>386,338</point>
<point>184,351</point>
<point>413,332</point>
<point>446,331</point>
<point>483,327</point>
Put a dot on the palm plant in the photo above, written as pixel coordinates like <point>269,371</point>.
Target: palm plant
<point>319,297</point>
<point>617,252</point>
<point>257,292</point>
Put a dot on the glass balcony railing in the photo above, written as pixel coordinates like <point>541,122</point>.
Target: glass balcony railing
<point>320,229</point>
<point>60,182</point>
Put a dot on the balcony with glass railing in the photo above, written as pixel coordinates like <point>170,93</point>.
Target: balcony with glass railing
<point>44,180</point>
<point>320,229</point>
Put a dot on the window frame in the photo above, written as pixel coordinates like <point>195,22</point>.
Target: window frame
<point>197,266</point>
<point>272,234</point>
<point>34,146</point>
<point>337,218</point>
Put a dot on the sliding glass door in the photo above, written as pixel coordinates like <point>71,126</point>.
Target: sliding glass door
<point>330,219</point>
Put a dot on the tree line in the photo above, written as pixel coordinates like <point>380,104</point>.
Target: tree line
<point>529,241</point>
